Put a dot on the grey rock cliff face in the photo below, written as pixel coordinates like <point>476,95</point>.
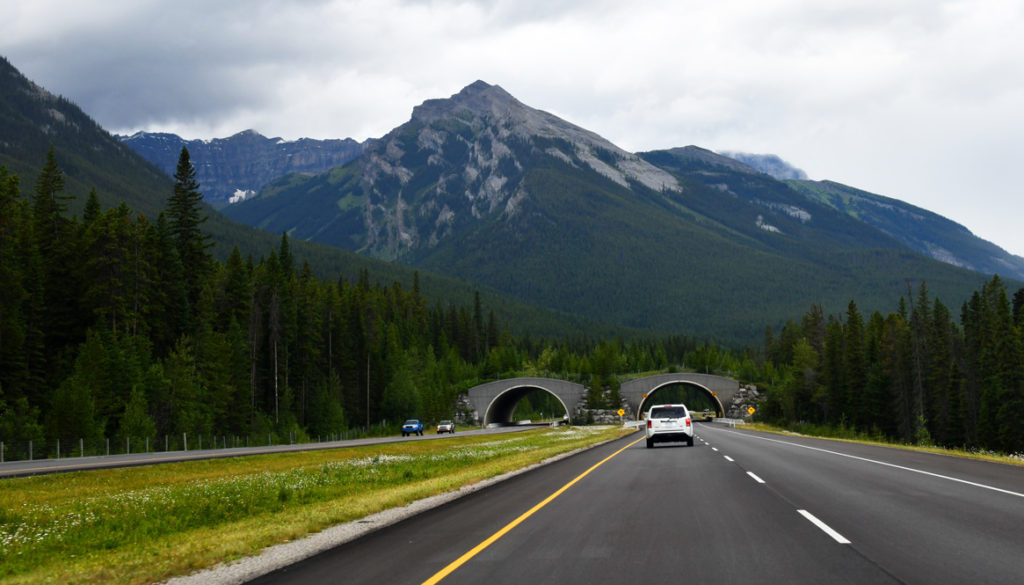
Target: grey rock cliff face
<point>471,146</point>
<point>242,164</point>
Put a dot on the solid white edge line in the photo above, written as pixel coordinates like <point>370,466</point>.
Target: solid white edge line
<point>893,465</point>
<point>727,458</point>
<point>757,479</point>
<point>824,527</point>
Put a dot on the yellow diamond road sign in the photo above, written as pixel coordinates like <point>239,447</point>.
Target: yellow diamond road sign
<point>621,412</point>
<point>751,410</point>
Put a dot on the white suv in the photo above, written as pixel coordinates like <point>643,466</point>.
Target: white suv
<point>669,422</point>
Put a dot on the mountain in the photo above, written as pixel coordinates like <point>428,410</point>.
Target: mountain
<point>918,229</point>
<point>32,119</point>
<point>455,163</point>
<point>483,187</point>
<point>232,169</point>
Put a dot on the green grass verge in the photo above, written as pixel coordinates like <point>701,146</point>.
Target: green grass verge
<point>146,524</point>
<point>850,436</point>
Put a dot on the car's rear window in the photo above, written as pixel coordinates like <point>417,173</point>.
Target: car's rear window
<point>668,412</point>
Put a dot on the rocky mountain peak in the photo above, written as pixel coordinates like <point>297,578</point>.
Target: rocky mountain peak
<point>488,110</point>
<point>475,101</point>
<point>249,135</point>
<point>463,159</point>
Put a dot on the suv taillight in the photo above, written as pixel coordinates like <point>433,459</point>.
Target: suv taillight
<point>687,421</point>
<point>649,424</point>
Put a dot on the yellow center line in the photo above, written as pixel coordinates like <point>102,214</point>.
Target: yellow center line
<point>494,537</point>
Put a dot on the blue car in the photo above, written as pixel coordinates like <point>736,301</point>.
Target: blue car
<point>412,427</point>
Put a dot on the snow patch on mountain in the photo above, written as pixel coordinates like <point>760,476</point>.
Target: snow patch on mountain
<point>766,226</point>
<point>241,195</point>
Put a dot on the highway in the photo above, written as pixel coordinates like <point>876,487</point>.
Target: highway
<point>738,507</point>
<point>67,464</point>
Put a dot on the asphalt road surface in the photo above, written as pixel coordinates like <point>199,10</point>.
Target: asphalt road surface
<point>738,507</point>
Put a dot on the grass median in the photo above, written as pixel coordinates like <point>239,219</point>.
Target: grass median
<point>146,524</point>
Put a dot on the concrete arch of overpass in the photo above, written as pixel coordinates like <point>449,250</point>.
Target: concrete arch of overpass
<point>495,401</point>
<point>640,393</point>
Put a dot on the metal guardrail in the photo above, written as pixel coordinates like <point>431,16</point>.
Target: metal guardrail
<point>732,422</point>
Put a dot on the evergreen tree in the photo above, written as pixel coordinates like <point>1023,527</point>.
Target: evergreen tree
<point>806,384</point>
<point>189,412</point>
<point>185,214</point>
<point>74,413</point>
<point>855,369</point>
<point>136,424</point>
<point>970,321</point>
<point>168,304</point>
<point>876,394</point>
<point>92,208</point>
<point>61,323</point>
<point>142,278</point>
<point>233,303</point>
<point>19,424</point>
<point>478,335</point>
<point>107,270</point>
<point>13,295</point>
<point>1006,377</point>
<point>997,372</point>
<point>50,203</point>
<point>942,402</point>
<point>814,328</point>
<point>326,415</point>
<point>920,317</point>
<point>400,399</point>
<point>833,375</point>
<point>896,359</point>
<point>1018,308</point>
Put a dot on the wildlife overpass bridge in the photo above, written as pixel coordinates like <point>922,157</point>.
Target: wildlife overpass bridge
<point>495,401</point>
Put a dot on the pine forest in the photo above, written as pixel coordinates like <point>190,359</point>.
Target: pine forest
<point>117,329</point>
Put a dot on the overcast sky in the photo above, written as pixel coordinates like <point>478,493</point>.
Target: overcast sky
<point>921,100</point>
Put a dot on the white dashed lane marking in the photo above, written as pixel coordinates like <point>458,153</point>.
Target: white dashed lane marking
<point>824,527</point>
